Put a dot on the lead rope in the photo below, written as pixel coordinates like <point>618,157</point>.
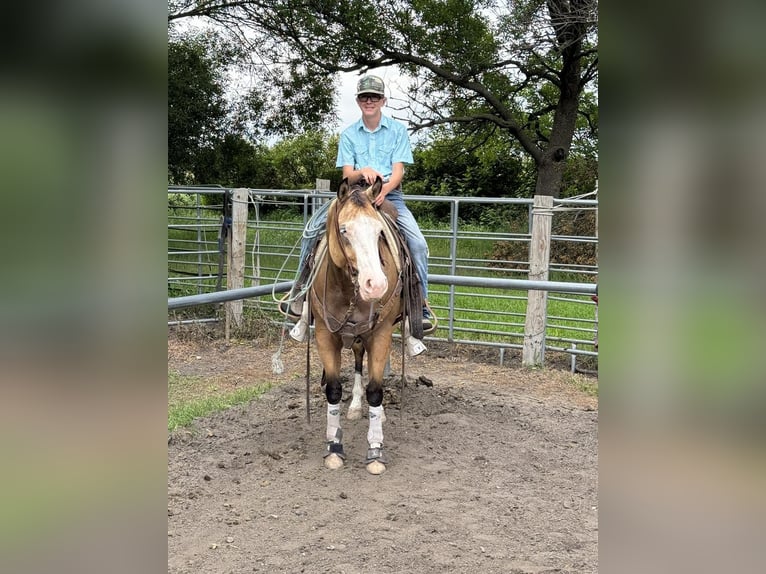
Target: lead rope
<point>405,318</point>
<point>308,361</point>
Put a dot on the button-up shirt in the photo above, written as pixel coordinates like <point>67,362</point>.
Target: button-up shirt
<point>379,149</point>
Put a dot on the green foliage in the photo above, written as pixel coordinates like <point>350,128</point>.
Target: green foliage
<point>520,76</point>
<point>299,161</point>
<point>234,162</point>
<point>305,101</point>
<point>463,163</point>
<point>567,223</point>
<point>196,105</point>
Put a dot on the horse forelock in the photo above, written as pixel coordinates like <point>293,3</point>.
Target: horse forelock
<point>359,196</point>
<point>356,203</point>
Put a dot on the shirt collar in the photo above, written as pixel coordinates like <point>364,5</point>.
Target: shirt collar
<point>384,123</point>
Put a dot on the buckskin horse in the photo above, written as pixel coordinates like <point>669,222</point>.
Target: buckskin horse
<point>356,299</point>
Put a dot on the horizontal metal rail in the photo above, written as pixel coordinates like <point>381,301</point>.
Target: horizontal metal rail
<point>490,282</point>
<point>521,284</point>
<point>228,295</point>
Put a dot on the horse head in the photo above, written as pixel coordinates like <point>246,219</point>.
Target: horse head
<point>354,236</point>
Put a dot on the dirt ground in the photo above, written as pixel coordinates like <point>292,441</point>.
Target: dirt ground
<point>492,469</point>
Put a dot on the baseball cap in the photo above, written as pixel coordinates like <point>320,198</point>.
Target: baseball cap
<point>370,85</point>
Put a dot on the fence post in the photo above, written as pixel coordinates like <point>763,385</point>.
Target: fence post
<point>321,185</point>
<point>537,301</point>
<point>235,266</point>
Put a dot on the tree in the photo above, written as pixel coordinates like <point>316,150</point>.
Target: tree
<point>196,105</point>
<point>299,161</point>
<point>520,66</point>
<point>235,162</point>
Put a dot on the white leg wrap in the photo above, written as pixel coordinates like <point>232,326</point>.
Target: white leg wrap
<point>333,421</point>
<point>375,432</point>
<point>356,393</point>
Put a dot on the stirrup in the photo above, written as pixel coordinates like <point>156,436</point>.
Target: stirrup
<point>299,330</point>
<point>286,306</point>
<point>433,320</point>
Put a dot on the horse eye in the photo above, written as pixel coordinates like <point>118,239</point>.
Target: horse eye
<point>343,229</point>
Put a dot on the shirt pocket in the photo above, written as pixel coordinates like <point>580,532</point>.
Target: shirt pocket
<point>385,152</point>
<point>361,156</point>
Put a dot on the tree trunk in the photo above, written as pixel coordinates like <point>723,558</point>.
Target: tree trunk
<point>550,167</point>
<point>550,174</point>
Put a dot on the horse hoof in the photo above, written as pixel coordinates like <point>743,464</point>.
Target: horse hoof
<point>333,461</point>
<point>376,467</point>
<point>354,414</point>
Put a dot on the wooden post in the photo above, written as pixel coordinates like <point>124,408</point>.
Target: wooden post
<point>537,301</point>
<point>235,266</point>
<point>321,185</point>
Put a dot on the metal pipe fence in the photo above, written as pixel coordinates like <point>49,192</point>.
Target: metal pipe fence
<point>478,286</point>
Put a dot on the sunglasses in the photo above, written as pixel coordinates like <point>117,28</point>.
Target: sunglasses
<point>369,98</point>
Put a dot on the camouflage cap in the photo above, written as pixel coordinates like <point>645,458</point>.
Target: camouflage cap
<point>370,85</point>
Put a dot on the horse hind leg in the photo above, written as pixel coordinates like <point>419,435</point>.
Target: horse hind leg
<point>376,460</point>
<point>355,408</point>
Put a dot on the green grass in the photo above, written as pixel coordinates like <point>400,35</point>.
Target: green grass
<point>495,315</point>
<point>276,238</point>
<point>585,385</point>
<point>190,398</point>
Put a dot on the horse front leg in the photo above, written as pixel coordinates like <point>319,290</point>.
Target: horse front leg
<point>379,349</point>
<point>355,408</point>
<point>330,356</point>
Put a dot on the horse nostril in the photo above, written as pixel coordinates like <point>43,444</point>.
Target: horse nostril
<point>372,286</point>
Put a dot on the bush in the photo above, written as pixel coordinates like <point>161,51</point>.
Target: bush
<point>570,223</point>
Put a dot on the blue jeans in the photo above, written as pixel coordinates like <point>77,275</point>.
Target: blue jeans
<point>406,221</point>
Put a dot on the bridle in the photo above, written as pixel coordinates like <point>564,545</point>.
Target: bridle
<point>333,324</point>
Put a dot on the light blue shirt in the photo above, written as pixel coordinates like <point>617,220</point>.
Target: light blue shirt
<point>379,149</point>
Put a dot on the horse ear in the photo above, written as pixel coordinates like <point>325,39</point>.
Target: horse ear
<point>376,187</point>
<point>343,189</point>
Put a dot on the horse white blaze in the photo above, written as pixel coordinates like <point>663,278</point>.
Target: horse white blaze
<point>363,233</point>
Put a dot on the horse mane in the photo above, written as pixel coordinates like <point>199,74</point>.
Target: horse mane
<point>389,209</point>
